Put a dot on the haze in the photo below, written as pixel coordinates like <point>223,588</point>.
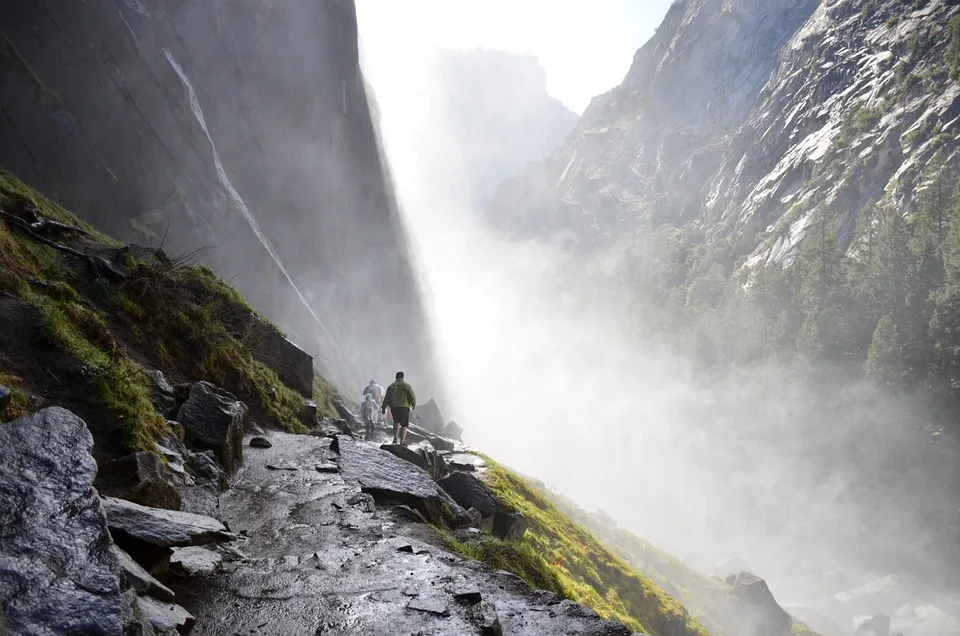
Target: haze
<point>542,368</point>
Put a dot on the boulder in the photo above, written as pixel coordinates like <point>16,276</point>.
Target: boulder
<point>509,526</point>
<point>347,415</point>
<point>484,616</point>
<point>761,609</point>
<point>142,478</point>
<point>164,396</point>
<point>59,573</point>
<point>216,418</point>
<point>204,466</point>
<point>260,442</point>
<point>308,413</point>
<point>876,625</point>
<point>470,492</point>
<point>387,477</point>
<point>452,431</point>
<point>293,365</point>
<point>5,396</point>
<point>428,416</point>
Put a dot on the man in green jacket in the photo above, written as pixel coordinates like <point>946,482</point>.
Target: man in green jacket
<point>400,399</point>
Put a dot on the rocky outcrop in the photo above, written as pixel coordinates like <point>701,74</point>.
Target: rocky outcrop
<point>470,492</point>
<point>293,365</point>
<point>387,477</point>
<point>495,518</point>
<point>762,615</point>
<point>428,416</point>
<point>216,418</point>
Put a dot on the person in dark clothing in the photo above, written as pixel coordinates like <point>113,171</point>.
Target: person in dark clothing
<point>400,399</point>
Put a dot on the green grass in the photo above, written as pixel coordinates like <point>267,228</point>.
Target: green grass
<point>180,317</point>
<point>198,327</point>
<point>559,555</point>
<point>708,599</point>
<point>121,384</point>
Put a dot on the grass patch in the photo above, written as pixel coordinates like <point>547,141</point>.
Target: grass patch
<point>196,326</point>
<point>559,555</point>
<point>121,384</point>
<point>518,558</point>
<point>19,401</point>
<point>181,317</point>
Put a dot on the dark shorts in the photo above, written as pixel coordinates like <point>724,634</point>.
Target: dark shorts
<point>401,415</point>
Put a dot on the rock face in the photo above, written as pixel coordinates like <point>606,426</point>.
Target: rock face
<point>216,418</point>
<point>761,610</point>
<point>738,114</point>
<point>386,476</point>
<point>52,515</point>
<point>136,130</point>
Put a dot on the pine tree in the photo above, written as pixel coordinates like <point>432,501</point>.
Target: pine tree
<point>884,361</point>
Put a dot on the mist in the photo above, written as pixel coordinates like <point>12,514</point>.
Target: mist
<point>548,370</point>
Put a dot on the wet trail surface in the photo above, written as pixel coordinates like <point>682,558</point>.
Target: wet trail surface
<point>318,556</point>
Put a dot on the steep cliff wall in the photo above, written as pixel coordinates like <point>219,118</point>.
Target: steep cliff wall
<point>242,127</point>
<point>740,117</point>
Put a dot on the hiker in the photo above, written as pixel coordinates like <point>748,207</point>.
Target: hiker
<point>368,413</point>
<point>400,399</point>
<point>376,391</point>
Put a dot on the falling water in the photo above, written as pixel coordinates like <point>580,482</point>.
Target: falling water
<point>237,200</point>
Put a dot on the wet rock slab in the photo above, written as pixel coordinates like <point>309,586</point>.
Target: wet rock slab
<point>386,476</point>
<point>58,571</point>
<point>316,564</point>
<point>162,528</point>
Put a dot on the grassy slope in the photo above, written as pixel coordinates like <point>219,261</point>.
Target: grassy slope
<point>559,555</point>
<point>709,599</point>
<point>175,316</point>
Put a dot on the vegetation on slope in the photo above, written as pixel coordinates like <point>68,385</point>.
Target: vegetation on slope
<point>708,598</point>
<point>106,310</point>
<point>559,555</point>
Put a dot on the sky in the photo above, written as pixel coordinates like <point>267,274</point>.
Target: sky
<point>585,47</point>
